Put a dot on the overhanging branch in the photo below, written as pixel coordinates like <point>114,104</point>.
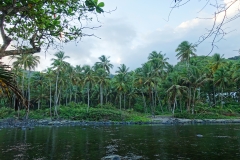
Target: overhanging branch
<point>20,51</point>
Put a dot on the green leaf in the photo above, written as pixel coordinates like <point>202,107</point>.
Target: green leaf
<point>99,10</point>
<point>95,1</point>
<point>101,4</point>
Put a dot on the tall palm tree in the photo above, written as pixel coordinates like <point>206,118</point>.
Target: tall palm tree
<point>185,50</point>
<point>105,63</point>
<point>49,77</point>
<point>89,80</point>
<point>102,79</point>
<point>221,79</point>
<point>59,65</point>
<point>120,85</point>
<point>27,62</point>
<point>123,69</point>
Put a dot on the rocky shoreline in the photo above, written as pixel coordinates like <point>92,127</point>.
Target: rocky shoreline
<point>31,123</point>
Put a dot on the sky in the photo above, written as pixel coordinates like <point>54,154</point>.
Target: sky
<point>137,27</point>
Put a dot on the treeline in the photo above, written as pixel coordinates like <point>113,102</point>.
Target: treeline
<point>156,87</point>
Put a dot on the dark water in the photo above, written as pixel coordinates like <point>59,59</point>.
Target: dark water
<point>149,141</point>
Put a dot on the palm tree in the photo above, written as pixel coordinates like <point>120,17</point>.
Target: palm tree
<point>58,64</point>
<point>89,80</point>
<point>104,63</point>
<point>175,91</point>
<point>221,79</point>
<point>27,62</point>
<point>123,69</point>
<point>7,84</point>
<point>185,51</point>
<point>102,79</point>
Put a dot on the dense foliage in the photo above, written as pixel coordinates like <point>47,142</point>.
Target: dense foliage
<point>195,85</point>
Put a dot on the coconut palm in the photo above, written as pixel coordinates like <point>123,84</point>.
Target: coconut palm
<point>221,79</point>
<point>102,80</point>
<point>185,50</point>
<point>59,65</point>
<point>174,92</point>
<point>105,63</point>
<point>27,62</point>
<point>89,80</point>
<point>7,85</point>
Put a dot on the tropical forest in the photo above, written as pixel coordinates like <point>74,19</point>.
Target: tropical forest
<point>196,87</point>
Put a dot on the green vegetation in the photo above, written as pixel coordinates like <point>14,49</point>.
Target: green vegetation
<point>36,24</point>
<point>80,113</point>
<point>196,87</point>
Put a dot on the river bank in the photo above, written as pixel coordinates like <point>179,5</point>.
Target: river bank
<point>31,123</point>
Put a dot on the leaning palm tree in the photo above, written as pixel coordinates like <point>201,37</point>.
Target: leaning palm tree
<point>7,85</point>
<point>26,62</point>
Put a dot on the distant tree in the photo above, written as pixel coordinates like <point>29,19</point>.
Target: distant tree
<point>185,50</point>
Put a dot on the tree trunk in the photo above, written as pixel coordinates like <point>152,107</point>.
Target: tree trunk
<point>75,97</point>
<point>50,94</point>
<point>144,102</point>
<point>56,97</point>
<point>222,99</point>
<point>124,101</point>
<point>101,95</point>
<point>120,101</point>
<point>194,94</point>
<point>28,94</point>
<point>88,98</point>
<point>174,105</point>
<point>153,114</point>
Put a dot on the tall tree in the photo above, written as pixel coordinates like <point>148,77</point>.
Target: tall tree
<point>105,63</point>
<point>59,65</point>
<point>27,62</point>
<point>185,50</point>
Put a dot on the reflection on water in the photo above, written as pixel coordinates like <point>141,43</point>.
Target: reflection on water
<point>130,142</point>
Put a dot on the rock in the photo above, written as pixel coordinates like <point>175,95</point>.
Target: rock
<point>199,135</point>
<point>111,157</point>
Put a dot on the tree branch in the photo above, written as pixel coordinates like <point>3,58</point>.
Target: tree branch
<point>20,51</point>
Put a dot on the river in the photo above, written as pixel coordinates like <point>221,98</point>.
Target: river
<point>151,142</point>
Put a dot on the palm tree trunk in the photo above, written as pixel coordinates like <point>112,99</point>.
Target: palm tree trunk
<point>194,97</point>
<point>38,104</point>
<point>222,99</point>
<point>22,93</point>
<point>144,102</point>
<point>152,103</point>
<point>101,95</point>
<point>28,94</point>
<point>75,97</point>
<point>174,105</point>
<point>50,104</point>
<point>124,101</point>
<point>120,101</point>
<point>129,103</point>
<point>159,102</point>
<point>56,96</point>
<point>88,98</point>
